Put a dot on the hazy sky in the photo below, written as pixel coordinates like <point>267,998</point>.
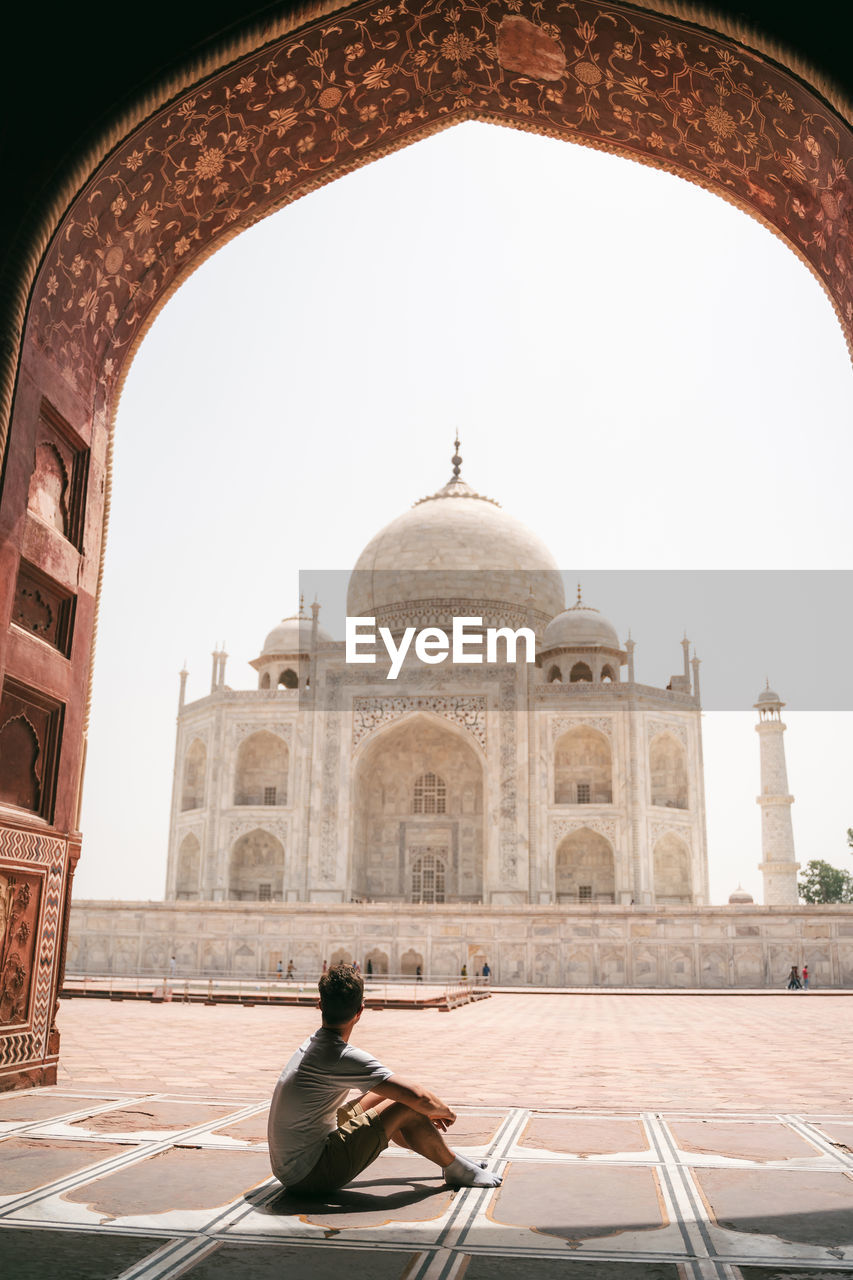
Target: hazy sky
<point>639,372</point>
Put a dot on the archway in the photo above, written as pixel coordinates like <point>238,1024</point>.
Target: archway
<point>189,865</point>
<point>585,869</point>
<point>672,879</point>
<point>260,774</point>
<point>583,768</point>
<point>169,182</point>
<point>195,771</point>
<point>668,772</point>
<point>256,868</point>
<point>418,816</point>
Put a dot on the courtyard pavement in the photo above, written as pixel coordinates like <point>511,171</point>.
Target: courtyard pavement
<point>656,1137</point>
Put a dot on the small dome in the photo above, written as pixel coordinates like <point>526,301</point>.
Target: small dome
<point>768,695</point>
<point>580,627</point>
<point>292,635</point>
<point>740,898</point>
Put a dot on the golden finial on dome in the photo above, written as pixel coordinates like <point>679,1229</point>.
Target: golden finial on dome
<point>456,459</point>
<point>579,601</point>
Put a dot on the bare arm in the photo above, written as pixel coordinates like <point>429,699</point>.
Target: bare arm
<point>417,1097</point>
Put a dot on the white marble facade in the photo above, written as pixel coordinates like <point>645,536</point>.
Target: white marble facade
<point>503,784</point>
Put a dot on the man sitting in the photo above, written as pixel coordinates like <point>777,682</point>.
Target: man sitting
<point>316,1143</point>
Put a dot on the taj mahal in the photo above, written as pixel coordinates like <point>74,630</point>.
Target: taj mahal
<point>428,812</point>
<point>566,781</point>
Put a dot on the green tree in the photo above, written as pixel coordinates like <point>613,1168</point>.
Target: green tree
<point>824,883</point>
<point>850,838</point>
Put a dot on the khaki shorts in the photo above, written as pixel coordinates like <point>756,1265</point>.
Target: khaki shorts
<point>357,1141</point>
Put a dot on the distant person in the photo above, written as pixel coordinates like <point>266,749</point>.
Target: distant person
<point>794,983</point>
<point>279,969</point>
<point>316,1143</point>
<point>464,971</point>
<point>173,965</point>
<point>419,974</point>
<point>487,973</point>
<point>805,977</point>
<point>289,973</point>
<point>357,967</point>
<point>325,966</point>
<point>369,969</point>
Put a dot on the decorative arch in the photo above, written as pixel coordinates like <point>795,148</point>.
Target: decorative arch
<point>585,868</point>
<point>48,493</point>
<point>583,769</point>
<point>288,679</point>
<point>256,868</point>
<point>289,105</point>
<point>581,671</point>
<point>418,802</point>
<point>20,749</point>
<point>195,770</point>
<point>668,772</point>
<point>410,962</point>
<point>555,676</point>
<point>672,878</point>
<point>187,876</point>
<point>377,960</point>
<point>265,681</point>
<point>607,674</point>
<point>261,770</point>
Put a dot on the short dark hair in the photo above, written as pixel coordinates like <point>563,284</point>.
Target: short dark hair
<point>341,994</point>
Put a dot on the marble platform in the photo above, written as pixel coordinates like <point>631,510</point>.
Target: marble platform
<point>105,1183</point>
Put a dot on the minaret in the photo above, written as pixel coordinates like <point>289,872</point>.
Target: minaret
<point>779,866</point>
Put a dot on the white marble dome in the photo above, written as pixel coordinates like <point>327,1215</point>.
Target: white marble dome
<point>455,552</point>
<point>580,627</point>
<point>768,695</point>
<point>291,636</point>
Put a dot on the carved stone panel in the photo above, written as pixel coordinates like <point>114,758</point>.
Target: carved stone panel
<point>20,896</point>
<point>561,724</point>
<point>466,711</point>
<point>677,728</point>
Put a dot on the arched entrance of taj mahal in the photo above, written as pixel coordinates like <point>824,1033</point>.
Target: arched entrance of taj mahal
<point>267,117</point>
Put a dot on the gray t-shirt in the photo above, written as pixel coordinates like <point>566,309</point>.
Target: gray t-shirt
<point>304,1107</point>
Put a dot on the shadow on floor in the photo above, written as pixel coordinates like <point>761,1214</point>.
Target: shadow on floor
<point>349,1200</point>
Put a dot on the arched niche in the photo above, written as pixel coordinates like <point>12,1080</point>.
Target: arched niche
<point>668,772</point>
<point>581,673</point>
<point>585,868</point>
<point>555,676</point>
<point>20,783</point>
<point>672,878</point>
<point>418,815</point>
<point>410,962</point>
<point>195,769</point>
<point>261,770</point>
<point>377,960</point>
<point>189,867</point>
<point>48,494</point>
<point>265,681</point>
<point>583,770</point>
<point>608,675</point>
<point>256,868</point>
<point>288,679</point>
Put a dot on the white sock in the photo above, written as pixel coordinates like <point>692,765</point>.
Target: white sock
<point>465,1173</point>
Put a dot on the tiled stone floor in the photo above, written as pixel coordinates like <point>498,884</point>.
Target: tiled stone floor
<point>100,1180</point>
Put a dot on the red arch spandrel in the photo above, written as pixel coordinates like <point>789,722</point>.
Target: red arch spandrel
<point>357,84</point>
